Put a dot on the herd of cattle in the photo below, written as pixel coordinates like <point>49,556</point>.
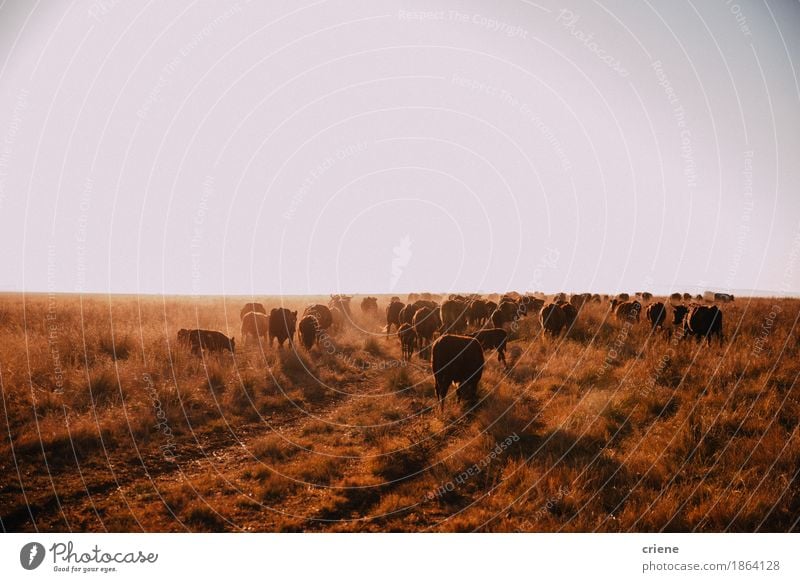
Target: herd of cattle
<point>453,333</point>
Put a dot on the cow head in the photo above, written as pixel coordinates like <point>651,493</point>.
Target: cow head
<point>679,314</point>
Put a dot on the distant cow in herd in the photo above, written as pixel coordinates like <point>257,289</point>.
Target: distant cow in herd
<point>205,339</point>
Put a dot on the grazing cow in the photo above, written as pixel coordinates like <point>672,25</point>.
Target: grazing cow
<point>369,305</point>
<point>426,323</point>
<point>704,321</point>
<point>478,313</point>
<point>723,297</point>
<point>393,314</point>
<point>570,314</point>
<point>493,339</point>
<point>457,359</point>
<point>453,313</point>
<point>656,314</point>
<point>255,324</point>
<point>676,297</point>
<point>213,341</point>
<point>407,313</point>
<point>282,325</point>
<point>183,336</point>
<point>552,318</point>
<point>254,307</point>
<point>630,310</point>
<point>308,330</point>
<point>323,314</point>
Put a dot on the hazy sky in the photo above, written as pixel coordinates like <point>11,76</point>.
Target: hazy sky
<point>377,146</point>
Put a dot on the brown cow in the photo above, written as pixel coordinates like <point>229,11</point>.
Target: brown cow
<point>282,325</point>
<point>656,314</point>
<point>323,315</point>
<point>453,313</point>
<point>393,314</point>
<point>408,340</point>
<point>552,318</point>
<point>213,341</point>
<point>630,310</point>
<point>457,359</point>
<point>308,329</point>
<point>369,305</point>
<point>255,324</point>
<point>477,313</point>
<point>407,313</point>
<point>493,339</point>
<point>426,323</point>
<point>570,314</point>
<point>256,307</point>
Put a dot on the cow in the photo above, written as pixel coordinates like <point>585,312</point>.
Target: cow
<point>679,313</point>
<point>213,341</point>
<point>687,296</point>
<point>676,297</point>
<point>183,336</point>
<point>630,310</point>
<point>255,324</point>
<point>570,314</point>
<point>723,297</point>
<point>323,315</point>
<point>552,318</point>
<point>426,323</point>
<point>646,296</point>
<point>408,340</point>
<point>407,313</point>
<point>369,305</point>
<point>578,301</point>
<point>453,314</point>
<point>510,310</point>
<point>493,339</point>
<point>656,314</point>
<point>282,324</point>
<point>252,307</point>
<point>457,359</point>
<point>393,314</point>
<point>704,321</point>
<point>477,313</point>
<point>308,329</point>
<point>623,297</point>
<point>596,298</point>
<point>342,302</point>
<point>496,318</point>
<point>412,297</point>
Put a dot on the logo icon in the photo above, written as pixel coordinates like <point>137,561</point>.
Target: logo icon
<point>31,555</point>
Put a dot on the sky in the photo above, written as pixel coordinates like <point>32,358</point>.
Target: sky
<point>377,146</point>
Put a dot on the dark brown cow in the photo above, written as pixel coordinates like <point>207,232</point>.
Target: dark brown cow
<point>623,297</point>
<point>282,325</point>
<point>342,302</point>
<point>552,319</point>
<point>477,313</point>
<point>679,313</point>
<point>687,296</point>
<point>407,313</point>
<point>323,315</point>
<point>457,359</point>
<point>723,297</point>
<point>453,314</point>
<point>393,315</point>
<point>630,310</point>
<point>656,315</point>
<point>646,296</point>
<point>408,340</point>
<point>676,297</point>
<point>255,307</point>
<point>183,336</point>
<point>369,305</point>
<point>493,339</point>
<point>213,341</point>
<point>308,328</point>
<point>426,323</point>
<point>578,301</point>
<point>255,324</point>
<point>705,321</point>
<point>570,314</point>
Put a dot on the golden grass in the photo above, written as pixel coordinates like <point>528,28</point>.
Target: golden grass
<point>611,428</point>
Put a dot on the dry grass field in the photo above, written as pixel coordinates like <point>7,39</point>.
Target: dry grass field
<point>109,425</point>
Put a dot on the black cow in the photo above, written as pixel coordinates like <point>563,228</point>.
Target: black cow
<point>457,359</point>
<point>705,321</point>
<point>213,341</point>
<point>282,325</point>
<point>308,330</point>
<point>393,314</point>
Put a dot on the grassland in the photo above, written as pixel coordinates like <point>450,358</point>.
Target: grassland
<point>111,426</point>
